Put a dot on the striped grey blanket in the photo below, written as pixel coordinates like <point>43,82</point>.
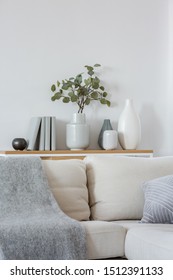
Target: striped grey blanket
<point>32,226</point>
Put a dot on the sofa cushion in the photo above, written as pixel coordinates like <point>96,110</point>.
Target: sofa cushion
<point>127,224</point>
<point>67,180</point>
<point>149,242</point>
<point>104,239</point>
<point>158,207</point>
<point>114,184</point>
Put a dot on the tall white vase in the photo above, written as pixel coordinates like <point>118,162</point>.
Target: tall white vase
<point>77,132</point>
<point>129,127</point>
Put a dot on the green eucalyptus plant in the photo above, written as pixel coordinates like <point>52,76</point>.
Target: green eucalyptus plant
<point>81,90</point>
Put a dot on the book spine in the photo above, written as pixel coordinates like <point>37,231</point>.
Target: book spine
<point>33,133</point>
<point>53,133</point>
<point>47,133</point>
<point>42,135</point>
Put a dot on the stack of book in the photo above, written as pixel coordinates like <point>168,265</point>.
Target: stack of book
<point>42,134</point>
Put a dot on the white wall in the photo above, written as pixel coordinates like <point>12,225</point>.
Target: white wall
<point>170,83</point>
<point>42,41</point>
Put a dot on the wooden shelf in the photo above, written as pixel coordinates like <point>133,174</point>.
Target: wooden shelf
<point>66,154</point>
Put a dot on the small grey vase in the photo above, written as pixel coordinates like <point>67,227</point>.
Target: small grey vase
<point>106,126</point>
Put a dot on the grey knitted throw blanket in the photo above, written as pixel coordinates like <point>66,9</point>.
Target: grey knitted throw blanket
<point>32,226</point>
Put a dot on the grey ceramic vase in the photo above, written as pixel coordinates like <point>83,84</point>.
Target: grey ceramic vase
<point>106,126</point>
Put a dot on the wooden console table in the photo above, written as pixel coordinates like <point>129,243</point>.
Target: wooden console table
<point>80,154</point>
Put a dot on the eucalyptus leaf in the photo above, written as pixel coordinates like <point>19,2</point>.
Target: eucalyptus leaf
<point>102,88</point>
<point>90,72</point>
<point>78,79</point>
<point>66,99</point>
<point>65,86</point>
<point>57,95</point>
<point>94,95</point>
<point>74,98</point>
<point>95,85</point>
<point>53,88</point>
<point>96,79</point>
<point>103,101</point>
<point>87,101</point>
<point>70,94</point>
<point>84,91</point>
<point>87,81</point>
<point>108,103</point>
<point>89,68</point>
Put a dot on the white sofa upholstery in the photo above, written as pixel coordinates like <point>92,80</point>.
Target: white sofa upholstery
<point>150,242</point>
<point>68,182</point>
<point>104,239</point>
<point>104,193</point>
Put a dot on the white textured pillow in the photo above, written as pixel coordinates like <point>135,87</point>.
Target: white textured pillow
<point>114,184</point>
<point>67,180</point>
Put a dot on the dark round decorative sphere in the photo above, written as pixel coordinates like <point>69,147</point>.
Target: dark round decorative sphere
<point>19,144</point>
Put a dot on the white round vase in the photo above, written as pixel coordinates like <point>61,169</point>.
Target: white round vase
<point>129,127</point>
<point>77,132</point>
<point>110,139</point>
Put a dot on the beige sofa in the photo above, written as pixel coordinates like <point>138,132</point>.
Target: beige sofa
<point>105,194</point>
